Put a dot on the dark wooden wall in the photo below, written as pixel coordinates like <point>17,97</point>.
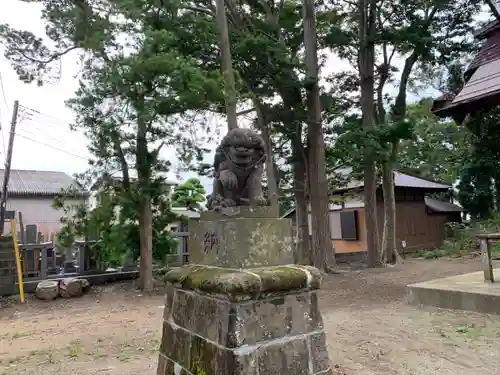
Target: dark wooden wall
<point>414,225</point>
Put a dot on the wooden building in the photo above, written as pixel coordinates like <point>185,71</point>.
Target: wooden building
<point>482,77</point>
<point>420,220</point>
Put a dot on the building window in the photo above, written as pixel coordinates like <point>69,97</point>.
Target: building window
<point>349,225</point>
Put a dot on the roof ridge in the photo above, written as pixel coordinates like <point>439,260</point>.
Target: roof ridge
<point>414,175</point>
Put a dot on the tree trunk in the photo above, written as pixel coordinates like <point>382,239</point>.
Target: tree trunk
<point>272,182</point>
<point>318,183</point>
<point>145,213</point>
<point>303,245</point>
<point>389,246</point>
<point>146,244</point>
<point>367,9</point>
<point>227,65</point>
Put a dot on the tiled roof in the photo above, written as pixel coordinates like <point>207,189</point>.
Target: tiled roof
<point>37,183</point>
<point>442,206</point>
<point>489,52</point>
<point>482,79</point>
<point>400,179</point>
<point>405,180</point>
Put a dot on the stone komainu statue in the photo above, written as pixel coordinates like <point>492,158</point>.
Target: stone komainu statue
<point>238,163</point>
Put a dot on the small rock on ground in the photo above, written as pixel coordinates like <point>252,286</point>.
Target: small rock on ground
<point>47,290</point>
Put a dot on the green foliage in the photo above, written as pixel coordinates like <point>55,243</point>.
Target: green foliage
<point>426,36</point>
<point>113,223</point>
<point>480,176</point>
<point>190,194</point>
<point>461,239</point>
<point>437,148</point>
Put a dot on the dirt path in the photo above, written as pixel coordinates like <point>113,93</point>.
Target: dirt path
<point>371,330</point>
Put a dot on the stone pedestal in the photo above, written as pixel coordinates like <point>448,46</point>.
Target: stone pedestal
<point>259,321</point>
<point>241,237</point>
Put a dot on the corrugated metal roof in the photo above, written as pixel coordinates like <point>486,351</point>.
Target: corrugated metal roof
<point>442,206</point>
<point>400,179</point>
<point>37,183</point>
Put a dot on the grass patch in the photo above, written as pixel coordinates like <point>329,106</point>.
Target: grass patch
<point>18,335</point>
<point>461,240</point>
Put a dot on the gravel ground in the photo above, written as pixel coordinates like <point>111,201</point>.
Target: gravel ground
<point>114,330</point>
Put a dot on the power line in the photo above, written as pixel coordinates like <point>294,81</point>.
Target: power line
<point>51,146</point>
<point>25,117</point>
<point>43,132</point>
<point>32,111</point>
<point>57,141</point>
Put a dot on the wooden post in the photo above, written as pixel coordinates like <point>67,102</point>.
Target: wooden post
<point>43,266</point>
<point>21,227</point>
<point>81,258</point>
<point>8,162</point>
<point>486,255</point>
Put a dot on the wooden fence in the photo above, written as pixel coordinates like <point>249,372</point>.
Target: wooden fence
<point>43,260</point>
<point>181,255</point>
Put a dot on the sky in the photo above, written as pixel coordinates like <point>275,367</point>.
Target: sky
<point>43,140</point>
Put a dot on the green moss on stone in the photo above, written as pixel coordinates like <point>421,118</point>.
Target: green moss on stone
<point>281,279</point>
<point>315,274</point>
<point>215,280</point>
<point>177,275</point>
<point>250,282</point>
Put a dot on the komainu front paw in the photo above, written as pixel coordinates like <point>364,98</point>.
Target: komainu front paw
<point>227,202</point>
<point>259,201</point>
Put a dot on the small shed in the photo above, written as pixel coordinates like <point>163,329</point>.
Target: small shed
<point>420,219</point>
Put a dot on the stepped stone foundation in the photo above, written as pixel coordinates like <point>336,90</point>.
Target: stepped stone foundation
<point>258,321</point>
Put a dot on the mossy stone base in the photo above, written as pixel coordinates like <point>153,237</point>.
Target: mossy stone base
<point>274,333</point>
<point>240,241</point>
<point>237,284</point>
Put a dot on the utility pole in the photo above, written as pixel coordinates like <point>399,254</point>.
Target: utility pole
<point>8,161</point>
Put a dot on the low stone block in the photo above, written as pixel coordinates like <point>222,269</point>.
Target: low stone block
<point>319,352</point>
<point>237,284</point>
<point>168,367</point>
<point>162,365</point>
<point>291,357</point>
<point>202,315</point>
<point>176,344</point>
<point>169,301</point>
<point>241,242</point>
